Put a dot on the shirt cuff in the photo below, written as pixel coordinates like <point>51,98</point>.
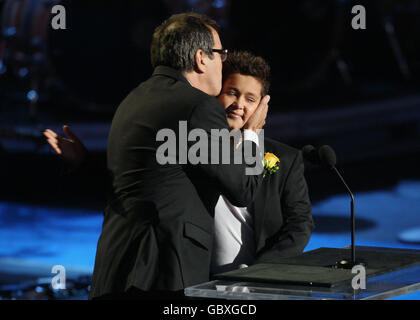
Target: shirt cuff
<point>250,135</point>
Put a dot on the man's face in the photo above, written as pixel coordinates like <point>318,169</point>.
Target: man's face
<point>215,66</point>
<point>240,97</point>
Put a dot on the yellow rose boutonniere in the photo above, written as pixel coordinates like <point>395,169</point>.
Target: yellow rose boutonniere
<point>270,163</point>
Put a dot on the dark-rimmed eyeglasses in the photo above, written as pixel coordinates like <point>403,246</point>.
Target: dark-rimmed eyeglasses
<point>223,53</point>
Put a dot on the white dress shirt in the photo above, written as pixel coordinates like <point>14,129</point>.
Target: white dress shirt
<point>234,240</point>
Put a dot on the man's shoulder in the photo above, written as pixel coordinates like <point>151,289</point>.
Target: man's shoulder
<point>201,98</point>
<point>173,89</point>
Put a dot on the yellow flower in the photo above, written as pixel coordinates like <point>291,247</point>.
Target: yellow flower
<point>270,160</point>
<point>270,163</point>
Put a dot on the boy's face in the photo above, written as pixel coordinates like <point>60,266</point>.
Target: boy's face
<point>240,97</point>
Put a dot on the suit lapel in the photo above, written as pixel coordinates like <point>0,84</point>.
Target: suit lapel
<point>258,206</point>
<point>257,209</point>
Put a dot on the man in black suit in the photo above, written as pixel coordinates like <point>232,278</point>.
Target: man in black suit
<point>157,232</point>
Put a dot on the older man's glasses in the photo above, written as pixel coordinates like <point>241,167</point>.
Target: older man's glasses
<point>223,53</point>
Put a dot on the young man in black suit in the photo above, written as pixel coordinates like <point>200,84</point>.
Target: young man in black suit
<point>157,233</point>
<point>278,222</point>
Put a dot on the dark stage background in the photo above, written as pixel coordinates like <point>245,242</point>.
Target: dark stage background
<point>355,90</point>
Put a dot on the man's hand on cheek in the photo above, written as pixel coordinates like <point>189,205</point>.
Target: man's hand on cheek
<point>257,120</point>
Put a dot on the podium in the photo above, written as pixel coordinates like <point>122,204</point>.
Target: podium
<point>390,272</point>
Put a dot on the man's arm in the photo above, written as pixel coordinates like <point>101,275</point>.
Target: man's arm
<point>298,223</point>
<point>234,182</point>
<point>77,160</point>
<point>70,149</point>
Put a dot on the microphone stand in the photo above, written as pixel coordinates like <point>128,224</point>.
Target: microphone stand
<point>353,229</point>
<point>326,156</point>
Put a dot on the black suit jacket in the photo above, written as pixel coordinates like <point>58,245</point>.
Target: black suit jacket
<point>282,209</point>
<point>157,232</point>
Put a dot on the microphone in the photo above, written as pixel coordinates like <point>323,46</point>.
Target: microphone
<point>327,157</point>
<point>324,156</point>
<point>310,154</point>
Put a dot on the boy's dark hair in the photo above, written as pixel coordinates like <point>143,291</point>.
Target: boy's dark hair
<point>177,39</point>
<point>247,64</point>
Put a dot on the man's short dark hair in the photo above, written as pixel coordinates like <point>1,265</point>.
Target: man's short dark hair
<point>177,39</point>
<point>245,63</point>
